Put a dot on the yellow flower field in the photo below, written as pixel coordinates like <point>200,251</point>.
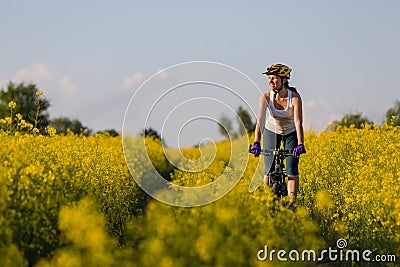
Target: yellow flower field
<point>358,172</point>
<point>71,201</point>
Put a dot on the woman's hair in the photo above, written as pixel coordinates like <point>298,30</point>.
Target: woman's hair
<point>293,89</point>
<point>286,84</point>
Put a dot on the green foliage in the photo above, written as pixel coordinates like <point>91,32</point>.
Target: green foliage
<point>393,114</point>
<point>225,126</point>
<point>352,120</point>
<point>110,132</point>
<point>244,121</point>
<point>245,118</point>
<point>150,132</point>
<point>30,104</point>
<point>63,125</point>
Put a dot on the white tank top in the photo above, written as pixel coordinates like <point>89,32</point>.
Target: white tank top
<point>280,121</point>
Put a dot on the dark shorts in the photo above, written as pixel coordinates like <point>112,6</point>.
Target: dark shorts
<point>272,140</point>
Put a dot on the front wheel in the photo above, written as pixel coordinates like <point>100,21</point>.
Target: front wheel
<point>283,189</point>
<point>275,189</point>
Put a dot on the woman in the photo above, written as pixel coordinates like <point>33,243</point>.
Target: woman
<point>284,123</point>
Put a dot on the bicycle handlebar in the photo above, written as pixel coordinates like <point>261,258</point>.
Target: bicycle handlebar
<point>273,152</point>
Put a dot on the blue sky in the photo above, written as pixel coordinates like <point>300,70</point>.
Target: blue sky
<point>89,57</point>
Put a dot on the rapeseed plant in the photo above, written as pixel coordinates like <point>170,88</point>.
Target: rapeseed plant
<point>71,200</point>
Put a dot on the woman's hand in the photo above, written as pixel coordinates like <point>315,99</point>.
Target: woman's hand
<point>256,149</point>
<point>298,150</point>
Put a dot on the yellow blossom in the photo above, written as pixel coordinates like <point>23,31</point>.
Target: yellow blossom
<point>323,200</point>
<point>12,104</point>
<point>51,131</point>
<point>8,120</point>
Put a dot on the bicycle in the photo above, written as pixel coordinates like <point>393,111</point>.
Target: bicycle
<point>276,179</point>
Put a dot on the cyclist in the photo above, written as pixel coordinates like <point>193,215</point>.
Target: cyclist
<point>284,123</point>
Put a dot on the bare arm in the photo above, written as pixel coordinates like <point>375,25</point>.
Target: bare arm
<point>262,109</point>
<point>298,118</point>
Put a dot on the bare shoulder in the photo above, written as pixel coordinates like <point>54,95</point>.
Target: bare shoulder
<point>265,96</point>
<point>295,95</point>
<point>296,98</point>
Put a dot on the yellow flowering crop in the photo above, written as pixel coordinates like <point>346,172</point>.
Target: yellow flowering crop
<point>70,200</point>
<point>350,182</point>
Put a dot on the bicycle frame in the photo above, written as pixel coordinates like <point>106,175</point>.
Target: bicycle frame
<point>276,179</point>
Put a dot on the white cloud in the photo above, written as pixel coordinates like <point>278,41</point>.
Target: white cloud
<point>133,81</point>
<point>162,73</point>
<point>67,85</point>
<point>54,82</point>
<point>160,79</point>
<point>36,72</point>
<point>318,114</point>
